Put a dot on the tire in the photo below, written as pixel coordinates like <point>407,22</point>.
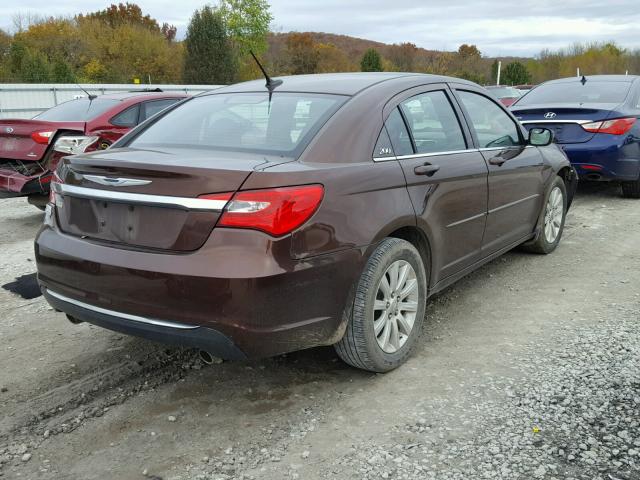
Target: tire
<point>631,189</point>
<point>546,243</point>
<point>360,346</point>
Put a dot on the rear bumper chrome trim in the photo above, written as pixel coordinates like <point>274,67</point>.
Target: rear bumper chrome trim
<point>124,316</point>
<point>140,198</point>
<point>579,122</point>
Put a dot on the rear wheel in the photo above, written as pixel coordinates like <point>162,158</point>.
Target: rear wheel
<point>631,189</point>
<point>385,320</point>
<point>552,225</point>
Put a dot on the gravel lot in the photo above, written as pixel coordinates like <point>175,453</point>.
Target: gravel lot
<point>529,369</point>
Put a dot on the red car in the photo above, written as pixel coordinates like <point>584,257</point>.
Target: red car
<point>31,149</point>
<point>506,95</point>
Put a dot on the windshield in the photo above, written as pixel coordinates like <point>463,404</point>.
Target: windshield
<point>575,92</point>
<point>243,122</point>
<point>80,110</point>
<point>504,92</point>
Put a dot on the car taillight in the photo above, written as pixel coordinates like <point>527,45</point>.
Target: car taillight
<point>74,145</point>
<point>276,211</point>
<point>619,126</point>
<point>42,137</point>
<point>55,180</point>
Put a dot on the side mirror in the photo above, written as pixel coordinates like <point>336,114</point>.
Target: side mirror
<point>540,137</point>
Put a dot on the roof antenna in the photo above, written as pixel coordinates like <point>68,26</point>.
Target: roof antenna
<point>583,80</point>
<point>90,96</point>
<point>271,83</point>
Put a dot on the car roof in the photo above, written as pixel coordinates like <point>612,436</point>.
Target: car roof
<point>334,83</point>
<point>142,95</point>
<point>598,78</point>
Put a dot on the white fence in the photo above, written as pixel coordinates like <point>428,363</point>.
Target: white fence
<point>25,100</point>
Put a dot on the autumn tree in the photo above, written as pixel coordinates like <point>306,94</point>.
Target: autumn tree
<point>403,56</point>
<point>209,56</point>
<point>302,54</point>
<point>123,14</point>
<point>516,74</point>
<point>371,61</point>
<point>331,59</point>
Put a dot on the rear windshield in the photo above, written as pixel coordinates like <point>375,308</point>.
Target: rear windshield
<point>249,122</point>
<point>575,92</point>
<point>81,110</point>
<point>504,92</point>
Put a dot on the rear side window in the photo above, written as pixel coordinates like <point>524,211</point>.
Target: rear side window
<point>493,127</point>
<point>399,134</point>
<point>127,118</point>
<point>149,109</point>
<point>574,92</point>
<point>81,110</point>
<point>250,122</point>
<point>433,123</point>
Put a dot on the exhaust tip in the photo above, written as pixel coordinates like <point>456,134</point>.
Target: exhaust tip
<point>594,176</point>
<point>207,358</point>
<point>74,320</point>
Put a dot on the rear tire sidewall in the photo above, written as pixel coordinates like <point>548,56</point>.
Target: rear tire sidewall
<point>391,250</point>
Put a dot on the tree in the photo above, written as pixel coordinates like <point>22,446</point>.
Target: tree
<point>302,54</point>
<point>469,51</point>
<point>209,57</point>
<point>61,72</point>
<point>331,59</point>
<point>34,68</point>
<point>516,74</point>
<point>247,23</point>
<point>403,56</point>
<point>494,71</point>
<point>371,61</point>
<point>122,14</point>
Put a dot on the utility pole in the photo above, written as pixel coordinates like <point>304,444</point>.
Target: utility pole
<point>578,72</point>
<point>498,76</point>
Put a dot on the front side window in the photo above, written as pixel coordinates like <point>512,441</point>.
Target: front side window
<point>493,127</point>
<point>282,125</point>
<point>433,123</point>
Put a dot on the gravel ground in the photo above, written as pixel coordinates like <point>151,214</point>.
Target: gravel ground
<point>529,369</point>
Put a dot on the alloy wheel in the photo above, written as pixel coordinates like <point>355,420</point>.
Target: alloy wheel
<point>553,215</point>
<point>395,306</point>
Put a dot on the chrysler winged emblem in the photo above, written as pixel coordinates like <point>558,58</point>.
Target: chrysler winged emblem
<point>116,182</point>
<point>549,115</point>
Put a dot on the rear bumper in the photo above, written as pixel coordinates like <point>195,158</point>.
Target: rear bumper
<point>202,338</point>
<point>14,184</point>
<point>240,295</point>
<point>605,157</point>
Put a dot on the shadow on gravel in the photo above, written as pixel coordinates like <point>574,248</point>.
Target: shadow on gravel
<point>26,286</point>
<point>599,189</point>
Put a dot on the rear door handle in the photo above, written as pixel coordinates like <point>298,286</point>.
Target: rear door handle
<point>427,169</point>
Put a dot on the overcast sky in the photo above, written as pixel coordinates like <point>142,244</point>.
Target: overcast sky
<point>497,27</point>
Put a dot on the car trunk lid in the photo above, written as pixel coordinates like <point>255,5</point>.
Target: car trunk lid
<point>16,142</point>
<point>149,198</point>
<point>564,121</point>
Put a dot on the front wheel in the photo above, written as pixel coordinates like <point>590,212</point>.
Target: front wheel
<point>552,224</point>
<point>385,320</point>
<point>631,189</point>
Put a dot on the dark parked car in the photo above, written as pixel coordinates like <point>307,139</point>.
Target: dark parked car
<point>31,149</point>
<point>324,212</point>
<point>595,120</point>
<point>506,95</point>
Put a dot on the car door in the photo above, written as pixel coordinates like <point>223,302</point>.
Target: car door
<point>446,177</point>
<point>516,184</point>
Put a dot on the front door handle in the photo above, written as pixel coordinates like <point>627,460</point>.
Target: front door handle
<point>498,161</point>
<point>427,169</point>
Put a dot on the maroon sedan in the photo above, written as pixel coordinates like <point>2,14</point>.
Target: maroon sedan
<point>322,210</point>
<point>31,149</point>
<point>506,95</point>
